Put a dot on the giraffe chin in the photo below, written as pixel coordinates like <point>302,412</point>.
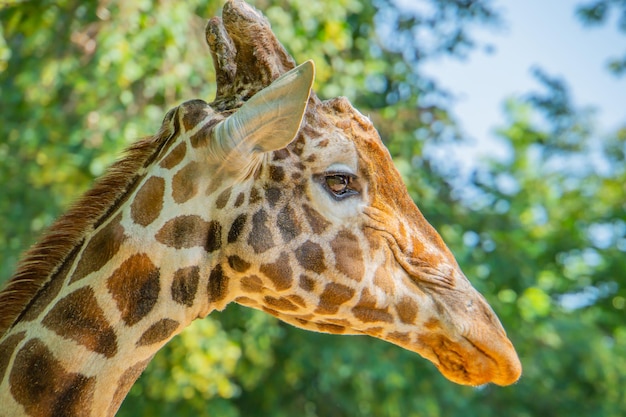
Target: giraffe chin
<point>468,362</point>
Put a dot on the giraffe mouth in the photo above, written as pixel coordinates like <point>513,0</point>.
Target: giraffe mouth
<point>468,362</point>
<point>468,344</point>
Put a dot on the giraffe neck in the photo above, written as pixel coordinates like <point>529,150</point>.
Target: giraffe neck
<point>136,279</point>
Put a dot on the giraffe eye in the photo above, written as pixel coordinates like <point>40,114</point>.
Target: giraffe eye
<point>338,185</point>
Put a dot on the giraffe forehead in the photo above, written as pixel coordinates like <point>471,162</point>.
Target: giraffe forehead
<point>338,153</point>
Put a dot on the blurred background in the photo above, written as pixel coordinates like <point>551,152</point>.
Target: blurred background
<point>507,122</point>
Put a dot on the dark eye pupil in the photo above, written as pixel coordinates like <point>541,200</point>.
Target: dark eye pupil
<point>337,183</point>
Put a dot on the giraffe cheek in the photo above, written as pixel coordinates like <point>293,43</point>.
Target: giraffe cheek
<point>348,255</point>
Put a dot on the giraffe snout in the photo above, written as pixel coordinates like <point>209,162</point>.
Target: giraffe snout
<point>488,350</point>
<point>463,336</point>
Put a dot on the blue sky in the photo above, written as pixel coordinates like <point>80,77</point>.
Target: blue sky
<point>535,33</point>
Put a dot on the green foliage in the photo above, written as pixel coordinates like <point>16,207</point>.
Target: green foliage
<point>542,234</point>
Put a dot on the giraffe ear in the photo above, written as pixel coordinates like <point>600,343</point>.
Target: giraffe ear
<point>271,119</point>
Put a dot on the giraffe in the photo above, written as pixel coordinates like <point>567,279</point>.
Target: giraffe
<point>268,197</point>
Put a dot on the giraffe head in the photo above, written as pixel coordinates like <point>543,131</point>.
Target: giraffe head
<point>318,227</point>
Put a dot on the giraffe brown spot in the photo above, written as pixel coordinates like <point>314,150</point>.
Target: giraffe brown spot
<point>407,310</point>
<point>49,291</point>
<point>271,311</point>
<point>272,195</point>
<point>298,146</point>
<point>432,324</point>
<point>218,284</point>
<point>158,332</point>
<point>279,272</point>
<point>374,239</point>
<point>280,154</point>
<point>238,264</point>
<point>322,143</point>
<point>280,304</point>
<point>174,157</point>
<point>299,189</point>
<point>245,301</point>
<point>214,184</point>
<point>333,296</point>
<point>296,299</point>
<point>330,328</point>
<point>190,231</point>
<point>374,331</point>
<point>260,237</point>
<point>341,105</point>
<point>240,199</point>
<point>124,384</point>
<point>316,221</point>
<point>340,322</point>
<point>222,199</point>
<point>135,287</point>
<point>367,312</point>
<point>194,112</point>
<point>40,384</point>
<point>277,174</point>
<point>399,338</point>
<point>311,158</point>
<point>367,299</point>
<point>372,315</point>
<point>202,137</point>
<point>348,255</point>
<point>251,283</point>
<point>184,182</point>
<point>310,255</point>
<point>100,249</point>
<point>185,285</point>
<point>383,281</point>
<point>288,224</point>
<point>307,283</point>
<point>255,196</point>
<point>7,347</point>
<point>214,237</point>
<point>78,316</point>
<point>236,228</point>
<point>148,201</point>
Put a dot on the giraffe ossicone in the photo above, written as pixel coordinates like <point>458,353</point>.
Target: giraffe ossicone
<point>268,197</point>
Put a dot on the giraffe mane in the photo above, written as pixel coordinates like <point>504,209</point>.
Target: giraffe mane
<point>46,258</point>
